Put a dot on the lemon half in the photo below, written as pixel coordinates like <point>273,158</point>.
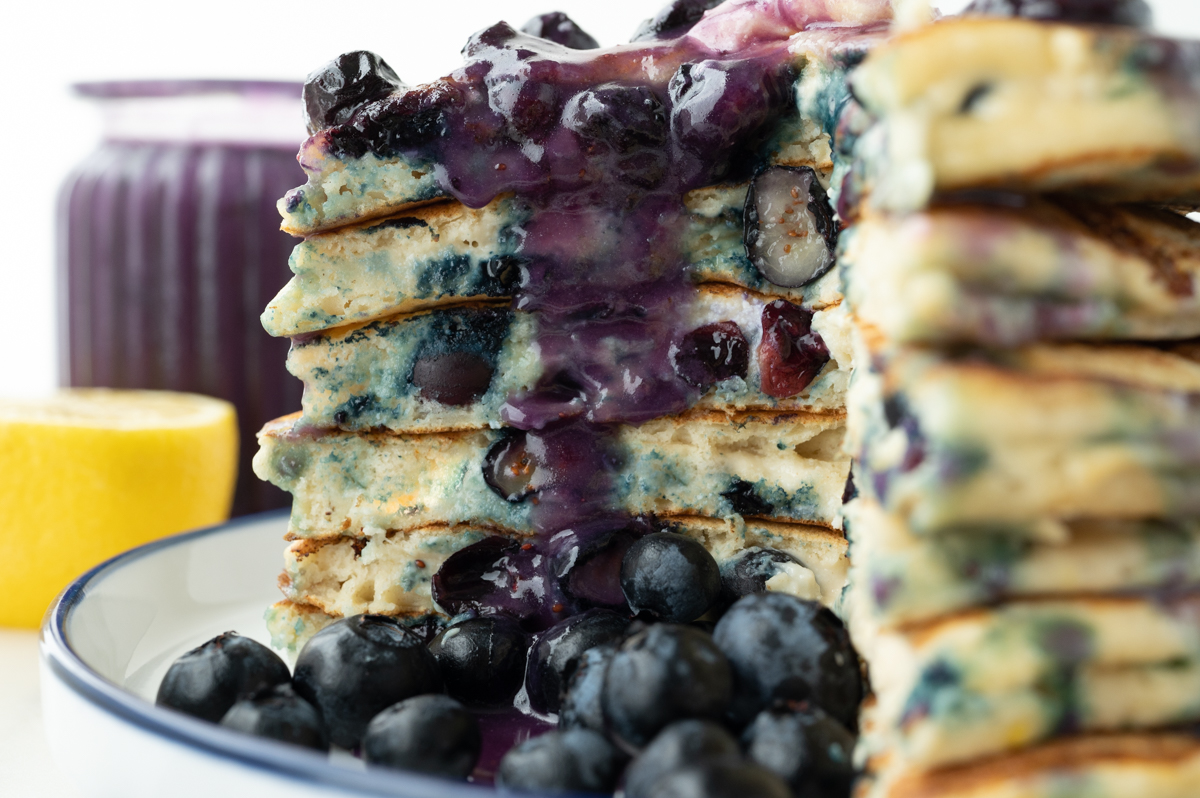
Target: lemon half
<point>88,473</point>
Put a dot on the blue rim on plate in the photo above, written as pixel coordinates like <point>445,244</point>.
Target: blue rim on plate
<point>278,759</point>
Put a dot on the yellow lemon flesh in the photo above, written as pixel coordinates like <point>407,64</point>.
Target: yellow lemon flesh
<point>88,473</point>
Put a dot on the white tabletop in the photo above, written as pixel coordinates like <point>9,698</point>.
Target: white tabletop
<point>26,768</point>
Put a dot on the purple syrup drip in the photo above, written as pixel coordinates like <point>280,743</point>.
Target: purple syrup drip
<point>501,731</point>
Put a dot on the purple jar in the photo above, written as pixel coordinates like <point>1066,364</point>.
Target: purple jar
<point>169,248</point>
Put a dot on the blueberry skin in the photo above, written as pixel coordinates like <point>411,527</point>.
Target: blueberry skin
<point>675,747</point>
<point>670,576</point>
<point>809,750</point>
<point>335,91</point>
<point>560,29</point>
<point>579,760</point>
<point>748,573</point>
<point>661,674</point>
<point>356,667</point>
<point>673,20</point>
<point>280,714</point>
<point>723,779</point>
<point>482,660</point>
<point>208,680</point>
<point>431,734</point>
<point>557,652</point>
<point>581,708</point>
<point>785,648</point>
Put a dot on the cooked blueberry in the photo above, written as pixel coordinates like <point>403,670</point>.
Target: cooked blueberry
<point>809,750</point>
<point>744,499</point>
<point>560,29</point>
<point>589,569</point>
<point>208,680</point>
<point>785,648</point>
<point>431,734</point>
<point>673,20</point>
<point>677,746</point>
<point>415,118</point>
<point>623,116</point>
<point>712,353</point>
<point>482,660</point>
<point>661,674</point>
<point>789,230</point>
<point>506,273</point>
<point>531,107</point>
<point>509,468</point>
<point>791,353</point>
<point>489,576</point>
<point>749,572</point>
<point>452,378</point>
<point>579,760</point>
<point>556,654</point>
<point>581,708</point>
<point>670,576</point>
<point>355,667</point>
<point>345,84</point>
<point>280,714</point>
<point>722,779</point>
<point>1134,13</point>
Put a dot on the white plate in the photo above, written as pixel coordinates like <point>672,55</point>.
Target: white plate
<point>110,637</point>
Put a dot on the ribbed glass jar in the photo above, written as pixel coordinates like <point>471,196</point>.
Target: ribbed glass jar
<point>169,248</point>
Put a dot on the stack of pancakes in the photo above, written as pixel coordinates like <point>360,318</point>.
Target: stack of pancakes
<point>429,360</point>
<point>1026,409</point>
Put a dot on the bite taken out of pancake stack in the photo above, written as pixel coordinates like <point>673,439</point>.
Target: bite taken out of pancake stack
<point>1021,279</point>
<point>556,301</point>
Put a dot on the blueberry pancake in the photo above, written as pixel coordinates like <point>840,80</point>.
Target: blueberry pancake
<point>1031,105</point>
<point>904,579</point>
<point>1024,269</point>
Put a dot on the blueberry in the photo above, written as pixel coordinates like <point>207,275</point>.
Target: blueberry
<point>579,760</point>
<point>482,660</point>
<point>674,20</point>
<point>356,667</point>
<point>509,468</point>
<point>791,353</point>
<point>581,708</point>
<point>743,498</point>
<point>748,572</point>
<point>661,674</point>
<point>589,567</point>
<point>490,576</point>
<point>677,746</point>
<point>338,89</point>
<point>722,779</point>
<point>208,680</point>
<point>1133,13</point>
<point>788,227</point>
<point>452,378</point>
<point>809,750</point>
<point>785,648</point>
<point>280,714</point>
<point>431,734</point>
<point>712,353</point>
<point>560,29</point>
<point>557,652</point>
<point>625,117</point>
<point>670,576</point>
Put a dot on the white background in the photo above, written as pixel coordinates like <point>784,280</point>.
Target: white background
<point>46,46</point>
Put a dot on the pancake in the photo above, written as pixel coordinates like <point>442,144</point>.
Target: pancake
<point>995,439</point>
<point>786,466</point>
<point>902,579</point>
<point>1050,268</point>
<point>1032,106</point>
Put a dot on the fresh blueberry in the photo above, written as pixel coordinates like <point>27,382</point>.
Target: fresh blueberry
<point>338,89</point>
<point>791,353</point>
<point>280,714</point>
<point>788,227</point>
<point>588,566</point>
<point>712,353</point>
<point>670,576</point>
<point>675,19</point>
<point>431,734</point>
<point>208,680</point>
<point>748,572</point>
<point>356,667</point>
<point>677,746</point>
<point>661,674</point>
<point>452,378</point>
<point>785,648</point>
<point>579,760</point>
<point>509,468</point>
<point>1133,13</point>
<point>556,654</point>
<point>482,660</point>
<point>809,750</point>
<point>721,779</point>
<point>581,708</point>
<point>625,117</point>
<point>560,29</point>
